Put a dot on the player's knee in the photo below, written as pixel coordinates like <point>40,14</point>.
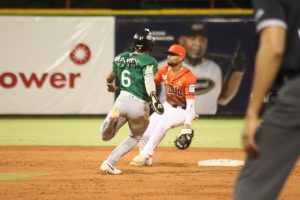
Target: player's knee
<point>104,134</point>
<point>105,138</point>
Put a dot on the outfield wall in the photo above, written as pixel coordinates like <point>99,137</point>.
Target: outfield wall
<point>56,63</point>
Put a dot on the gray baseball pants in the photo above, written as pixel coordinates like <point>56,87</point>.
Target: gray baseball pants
<point>278,137</point>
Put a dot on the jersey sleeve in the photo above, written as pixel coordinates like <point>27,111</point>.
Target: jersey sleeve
<point>269,13</point>
<point>190,86</point>
<point>158,78</point>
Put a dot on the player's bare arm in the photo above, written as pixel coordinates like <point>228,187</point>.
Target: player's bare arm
<point>110,82</point>
<point>267,65</point>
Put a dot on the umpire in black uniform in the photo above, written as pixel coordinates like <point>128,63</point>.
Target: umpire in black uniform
<point>273,147</point>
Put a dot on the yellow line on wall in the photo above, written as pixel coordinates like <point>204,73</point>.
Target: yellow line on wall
<point>125,12</point>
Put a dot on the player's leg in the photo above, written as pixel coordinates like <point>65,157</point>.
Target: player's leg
<point>171,117</point>
<point>154,119</point>
<point>115,119</point>
<point>108,166</point>
<point>137,127</point>
<point>126,145</point>
<point>110,127</point>
<point>138,115</point>
<point>138,118</point>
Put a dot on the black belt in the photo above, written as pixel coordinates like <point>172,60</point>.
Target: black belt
<point>177,106</point>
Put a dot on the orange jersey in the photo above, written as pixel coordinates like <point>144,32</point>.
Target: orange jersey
<point>179,86</point>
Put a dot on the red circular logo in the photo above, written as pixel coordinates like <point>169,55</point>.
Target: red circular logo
<point>81,54</point>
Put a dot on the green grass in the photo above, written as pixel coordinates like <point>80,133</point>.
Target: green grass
<point>15,176</point>
<point>217,133</point>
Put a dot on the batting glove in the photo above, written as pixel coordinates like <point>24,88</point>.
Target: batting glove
<point>155,104</point>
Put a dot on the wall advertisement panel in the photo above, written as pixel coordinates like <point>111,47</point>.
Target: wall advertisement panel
<point>55,65</point>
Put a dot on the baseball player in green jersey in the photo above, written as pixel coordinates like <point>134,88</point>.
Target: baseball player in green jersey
<point>135,72</point>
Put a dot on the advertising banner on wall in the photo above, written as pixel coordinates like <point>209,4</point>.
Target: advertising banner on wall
<point>55,65</point>
<point>218,50</point>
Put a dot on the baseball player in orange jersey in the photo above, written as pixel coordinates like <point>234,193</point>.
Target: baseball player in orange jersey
<point>179,105</point>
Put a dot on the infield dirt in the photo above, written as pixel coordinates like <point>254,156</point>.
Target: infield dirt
<point>73,173</point>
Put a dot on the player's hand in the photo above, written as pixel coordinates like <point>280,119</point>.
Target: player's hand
<point>155,104</point>
<point>184,138</point>
<point>248,136</point>
<point>111,87</point>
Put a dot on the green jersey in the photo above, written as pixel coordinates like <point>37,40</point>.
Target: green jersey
<point>131,69</point>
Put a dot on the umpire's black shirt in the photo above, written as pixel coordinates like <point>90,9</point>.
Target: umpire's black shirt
<point>285,14</point>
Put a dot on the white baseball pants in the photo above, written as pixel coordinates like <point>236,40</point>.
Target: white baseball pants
<point>158,126</point>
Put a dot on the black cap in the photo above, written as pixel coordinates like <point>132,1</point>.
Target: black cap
<point>194,29</point>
